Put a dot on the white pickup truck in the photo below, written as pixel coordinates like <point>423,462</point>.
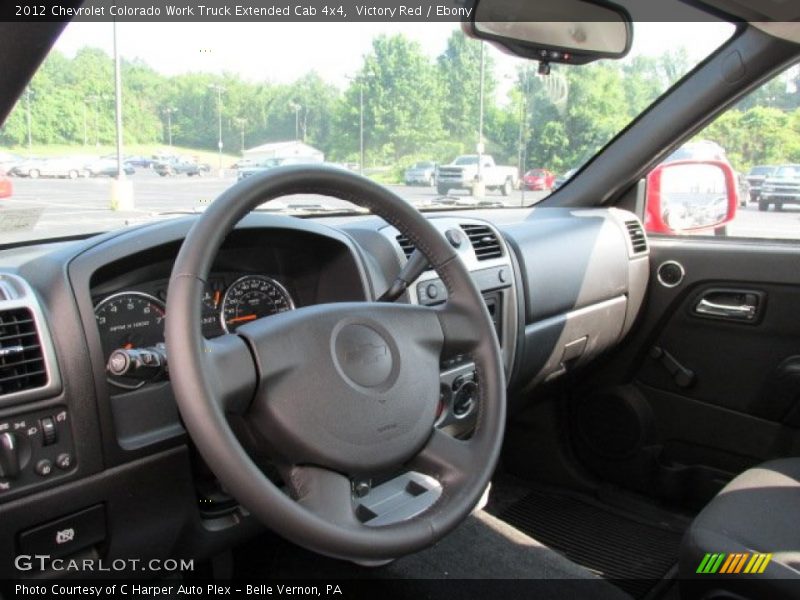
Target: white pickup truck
<point>462,173</point>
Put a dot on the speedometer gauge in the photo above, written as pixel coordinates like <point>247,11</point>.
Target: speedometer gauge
<point>252,297</point>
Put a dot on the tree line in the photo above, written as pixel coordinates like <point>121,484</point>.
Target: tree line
<point>414,108</point>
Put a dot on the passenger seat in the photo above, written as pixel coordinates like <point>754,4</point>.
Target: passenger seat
<point>758,513</point>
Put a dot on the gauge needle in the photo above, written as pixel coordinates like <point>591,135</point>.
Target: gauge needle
<point>128,346</point>
<point>216,298</point>
<point>240,319</point>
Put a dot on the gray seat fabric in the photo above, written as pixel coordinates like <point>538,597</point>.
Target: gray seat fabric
<point>757,512</point>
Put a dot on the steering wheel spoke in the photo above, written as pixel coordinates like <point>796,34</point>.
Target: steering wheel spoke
<point>325,493</point>
<point>231,372</point>
<point>444,458</point>
<point>458,325</point>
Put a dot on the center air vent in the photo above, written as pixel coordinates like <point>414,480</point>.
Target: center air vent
<point>638,238</point>
<point>21,360</point>
<point>484,241</point>
<point>405,245</point>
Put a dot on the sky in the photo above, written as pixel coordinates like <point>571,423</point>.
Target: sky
<point>281,52</point>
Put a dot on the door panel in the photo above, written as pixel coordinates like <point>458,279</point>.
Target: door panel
<point>707,395</point>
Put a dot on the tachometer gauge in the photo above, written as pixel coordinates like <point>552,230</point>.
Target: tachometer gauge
<point>252,297</point>
<point>129,320</point>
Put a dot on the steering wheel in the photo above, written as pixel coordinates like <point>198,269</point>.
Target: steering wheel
<point>335,391</point>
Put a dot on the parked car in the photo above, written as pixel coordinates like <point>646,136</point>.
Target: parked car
<point>179,166</point>
<point>139,162</point>
<point>782,186</point>
<point>8,161</point>
<point>259,166</point>
<point>28,167</point>
<point>6,187</point>
<point>463,172</point>
<point>107,167</point>
<point>562,179</point>
<point>755,177</point>
<point>69,167</point>
<point>421,173</point>
<point>539,179</point>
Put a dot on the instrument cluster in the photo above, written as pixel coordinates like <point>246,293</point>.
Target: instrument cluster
<point>135,318</point>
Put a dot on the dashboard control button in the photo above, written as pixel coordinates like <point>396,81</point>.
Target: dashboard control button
<point>65,535</point>
<point>432,290</point>
<point>64,461</point>
<point>44,467</point>
<point>49,434</point>
<point>502,275</point>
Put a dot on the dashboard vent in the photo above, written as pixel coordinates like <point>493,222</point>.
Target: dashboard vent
<point>406,245</point>
<point>484,241</point>
<point>21,360</point>
<point>638,238</point>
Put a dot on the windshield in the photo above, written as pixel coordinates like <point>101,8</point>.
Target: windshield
<point>761,170</point>
<point>204,105</point>
<point>788,172</point>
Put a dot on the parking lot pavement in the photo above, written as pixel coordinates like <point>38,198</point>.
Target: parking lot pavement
<point>61,207</point>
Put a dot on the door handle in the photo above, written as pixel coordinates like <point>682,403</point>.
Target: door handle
<point>745,312</point>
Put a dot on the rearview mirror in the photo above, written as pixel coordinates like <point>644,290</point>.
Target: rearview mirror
<point>555,31</point>
<point>690,196</point>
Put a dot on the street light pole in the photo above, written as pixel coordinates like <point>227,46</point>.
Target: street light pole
<point>219,89</point>
<point>296,108</point>
<point>28,93</point>
<point>522,130</point>
<point>121,189</point>
<point>169,112</point>
<point>361,129</point>
<point>480,119</point>
<point>118,105</point>
<point>241,122</point>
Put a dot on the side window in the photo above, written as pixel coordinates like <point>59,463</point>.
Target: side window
<point>740,176</point>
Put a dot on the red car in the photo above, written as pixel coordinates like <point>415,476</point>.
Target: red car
<point>6,188</point>
<point>539,179</point>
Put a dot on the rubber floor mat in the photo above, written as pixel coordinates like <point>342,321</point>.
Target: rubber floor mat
<point>631,552</point>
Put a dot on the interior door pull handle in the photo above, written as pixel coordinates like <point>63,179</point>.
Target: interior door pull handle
<point>727,311</point>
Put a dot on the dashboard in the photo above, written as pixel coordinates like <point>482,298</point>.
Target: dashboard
<point>90,411</point>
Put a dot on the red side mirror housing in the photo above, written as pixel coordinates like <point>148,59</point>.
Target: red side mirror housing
<point>6,187</point>
<point>690,196</point>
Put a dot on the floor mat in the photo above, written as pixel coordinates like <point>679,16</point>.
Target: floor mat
<point>632,552</point>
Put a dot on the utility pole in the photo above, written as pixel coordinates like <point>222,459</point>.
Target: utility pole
<point>219,89</point>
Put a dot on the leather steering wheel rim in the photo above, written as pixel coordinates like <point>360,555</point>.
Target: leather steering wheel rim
<point>229,374</point>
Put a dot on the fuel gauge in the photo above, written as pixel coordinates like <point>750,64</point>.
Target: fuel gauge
<point>212,302</point>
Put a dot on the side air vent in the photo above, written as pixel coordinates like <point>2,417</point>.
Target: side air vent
<point>22,364</point>
<point>484,241</point>
<point>638,238</point>
<point>405,245</point>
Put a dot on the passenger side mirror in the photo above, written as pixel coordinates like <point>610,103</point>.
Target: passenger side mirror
<point>690,196</point>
